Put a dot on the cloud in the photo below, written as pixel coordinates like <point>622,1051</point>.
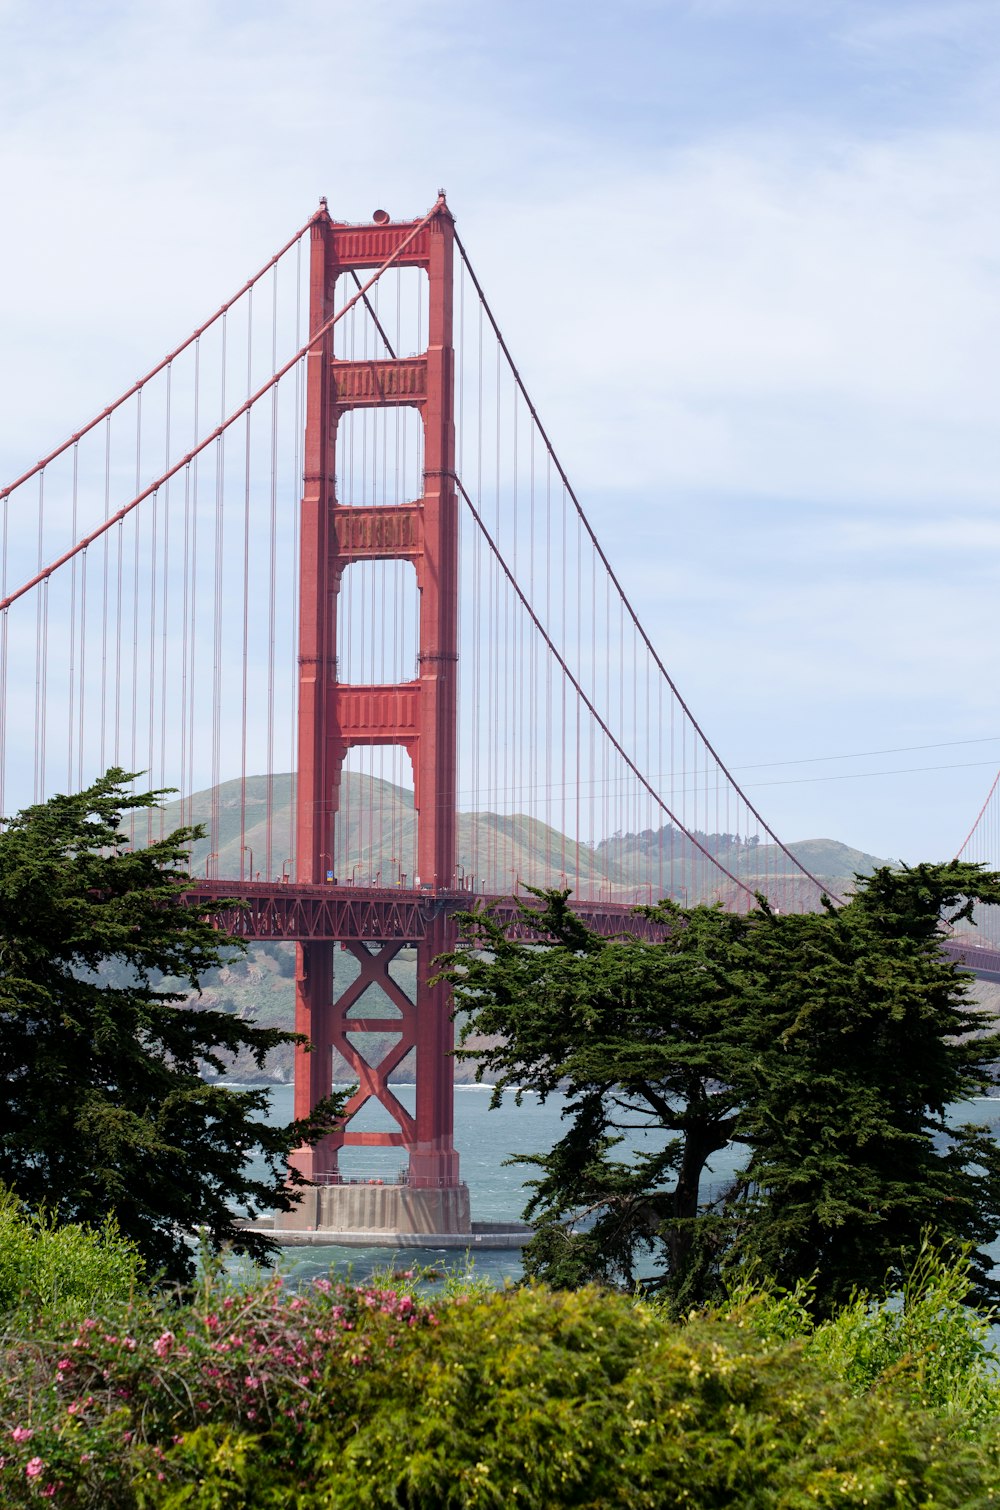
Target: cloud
<point>746,255</point>
<point>891,28</point>
<point>758,318</point>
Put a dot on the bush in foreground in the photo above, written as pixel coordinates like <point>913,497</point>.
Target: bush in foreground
<point>925,1342</point>
<point>368,1397</point>
<point>44,1263</point>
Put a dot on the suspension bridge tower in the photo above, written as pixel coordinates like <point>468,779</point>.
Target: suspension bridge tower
<point>419,715</point>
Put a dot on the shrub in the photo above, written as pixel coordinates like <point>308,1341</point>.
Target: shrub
<point>924,1342</point>
<point>76,1268</point>
<point>366,1398</point>
<point>547,1400</point>
<point>120,1410</point>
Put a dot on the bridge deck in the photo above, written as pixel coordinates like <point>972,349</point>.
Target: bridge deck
<point>374,914</point>
<point>383,914</point>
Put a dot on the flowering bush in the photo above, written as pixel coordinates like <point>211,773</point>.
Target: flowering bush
<point>99,1412</point>
<point>368,1397</point>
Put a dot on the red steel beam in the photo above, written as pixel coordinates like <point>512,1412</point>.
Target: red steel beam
<point>296,913</point>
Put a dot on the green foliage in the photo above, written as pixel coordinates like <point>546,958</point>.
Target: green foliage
<point>826,1046</point>
<point>638,1034</point>
<point>105,1110</point>
<point>366,1398</point>
<point>861,1035</point>
<point>448,1282</point>
<point>45,1264</point>
<point>925,1342</point>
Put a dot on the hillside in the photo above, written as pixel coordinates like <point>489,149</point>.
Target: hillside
<point>376,843</point>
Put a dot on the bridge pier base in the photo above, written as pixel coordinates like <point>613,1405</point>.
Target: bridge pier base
<point>380,1209</point>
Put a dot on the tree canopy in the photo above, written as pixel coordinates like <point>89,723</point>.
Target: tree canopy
<point>824,1048</point>
<point>106,1109</point>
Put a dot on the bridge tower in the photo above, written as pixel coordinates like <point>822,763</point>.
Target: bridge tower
<point>419,715</point>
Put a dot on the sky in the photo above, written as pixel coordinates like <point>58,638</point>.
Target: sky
<point>746,253</point>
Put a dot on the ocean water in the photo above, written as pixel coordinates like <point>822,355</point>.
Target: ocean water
<point>487,1140</point>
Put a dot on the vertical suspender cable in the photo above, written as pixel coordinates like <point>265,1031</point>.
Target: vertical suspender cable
<point>40,619</point>
<point>3,664</point>
<point>246,591</point>
<point>272,547</point>
<point>193,673</point>
<point>217,609</point>
<point>134,699</point>
<point>165,600</point>
<point>298,479</point>
<point>71,658</point>
<point>105,585</point>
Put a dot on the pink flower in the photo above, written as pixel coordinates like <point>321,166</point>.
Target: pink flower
<point>163,1344</point>
<point>33,1468</point>
<point>22,1433</point>
<point>64,1365</point>
<point>323,1285</point>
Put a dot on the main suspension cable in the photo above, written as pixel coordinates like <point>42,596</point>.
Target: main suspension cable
<point>610,570</point>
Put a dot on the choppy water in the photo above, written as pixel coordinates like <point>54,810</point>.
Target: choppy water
<point>486,1139</point>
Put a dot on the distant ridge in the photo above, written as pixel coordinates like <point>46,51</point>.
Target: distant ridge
<point>376,832</point>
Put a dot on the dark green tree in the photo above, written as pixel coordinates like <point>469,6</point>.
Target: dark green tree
<point>105,1107</point>
<point>826,1046</point>
<point>639,1035</point>
<point>863,1036</point>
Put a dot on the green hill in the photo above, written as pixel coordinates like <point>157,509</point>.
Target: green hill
<point>376,844</point>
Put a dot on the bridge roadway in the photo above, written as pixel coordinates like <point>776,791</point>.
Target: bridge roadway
<point>288,912</point>
<point>376,914</point>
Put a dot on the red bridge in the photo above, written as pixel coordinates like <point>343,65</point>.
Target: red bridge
<point>329,534</point>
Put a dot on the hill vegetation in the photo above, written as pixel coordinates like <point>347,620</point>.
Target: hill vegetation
<point>376,843</point>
